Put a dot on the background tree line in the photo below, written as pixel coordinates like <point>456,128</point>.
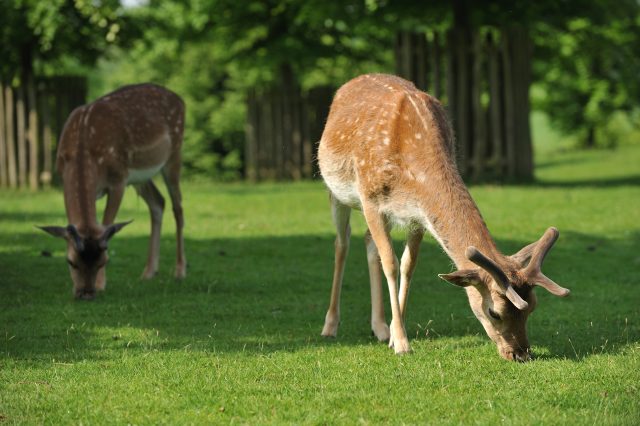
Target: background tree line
<point>212,52</point>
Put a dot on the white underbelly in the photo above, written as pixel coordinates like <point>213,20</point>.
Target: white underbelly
<point>143,175</point>
<point>345,192</point>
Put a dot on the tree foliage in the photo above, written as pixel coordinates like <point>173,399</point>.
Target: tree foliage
<point>43,34</point>
<point>212,51</point>
<point>588,66</point>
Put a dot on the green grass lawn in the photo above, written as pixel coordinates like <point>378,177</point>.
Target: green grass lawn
<point>239,340</point>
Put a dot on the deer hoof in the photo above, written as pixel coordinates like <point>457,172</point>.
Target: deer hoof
<point>181,271</point>
<point>400,347</point>
<point>330,328</point>
<point>148,274</point>
<point>381,331</point>
<point>398,341</point>
<point>181,274</point>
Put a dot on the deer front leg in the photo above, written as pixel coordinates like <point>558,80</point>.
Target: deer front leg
<point>114,199</point>
<point>341,215</point>
<point>378,323</point>
<point>171,175</point>
<point>408,265</point>
<point>155,201</point>
<point>380,234</point>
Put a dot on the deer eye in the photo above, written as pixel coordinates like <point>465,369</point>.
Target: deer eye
<point>73,265</point>
<point>494,314</point>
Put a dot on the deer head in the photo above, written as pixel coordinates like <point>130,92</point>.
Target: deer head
<point>86,255</point>
<point>501,293</point>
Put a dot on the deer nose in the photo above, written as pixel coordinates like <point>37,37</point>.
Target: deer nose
<point>518,355</point>
<point>522,356</point>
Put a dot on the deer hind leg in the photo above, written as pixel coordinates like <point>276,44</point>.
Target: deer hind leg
<point>171,175</point>
<point>380,235</point>
<point>378,323</point>
<point>150,194</point>
<point>341,215</point>
<point>408,265</point>
<point>114,199</point>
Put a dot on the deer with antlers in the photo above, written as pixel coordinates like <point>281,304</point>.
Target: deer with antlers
<point>388,150</point>
<point>125,137</point>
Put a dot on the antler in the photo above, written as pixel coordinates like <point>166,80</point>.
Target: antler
<point>533,272</point>
<point>474,255</point>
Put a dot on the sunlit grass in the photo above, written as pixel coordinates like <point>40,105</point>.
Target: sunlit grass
<point>238,341</point>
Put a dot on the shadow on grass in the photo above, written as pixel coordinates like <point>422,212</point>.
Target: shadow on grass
<point>262,295</point>
<point>603,182</point>
<point>591,183</point>
<point>40,218</point>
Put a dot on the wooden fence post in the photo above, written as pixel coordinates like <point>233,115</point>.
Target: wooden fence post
<point>479,145</point>
<point>435,59</point>
<point>277,140</point>
<point>22,136</point>
<point>3,144</point>
<point>307,149</point>
<point>250,137</point>
<point>297,134</point>
<point>47,154</point>
<point>282,130</point>
<point>266,138</point>
<point>452,66</point>
<point>522,80</point>
<point>495,105</point>
<point>421,70</point>
<point>461,50</point>
<point>509,105</point>
<point>32,134</point>
<point>10,138</point>
<point>494,137</point>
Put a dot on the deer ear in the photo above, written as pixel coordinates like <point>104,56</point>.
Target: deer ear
<point>56,231</point>
<point>110,231</point>
<point>462,278</point>
<point>68,232</point>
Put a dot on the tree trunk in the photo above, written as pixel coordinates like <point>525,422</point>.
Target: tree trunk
<point>590,142</point>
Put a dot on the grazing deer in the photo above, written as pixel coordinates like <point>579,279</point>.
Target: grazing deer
<point>388,150</point>
<point>125,137</point>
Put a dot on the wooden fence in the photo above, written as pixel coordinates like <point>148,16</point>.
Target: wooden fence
<point>483,77</point>
<point>283,127</point>
<point>30,115</point>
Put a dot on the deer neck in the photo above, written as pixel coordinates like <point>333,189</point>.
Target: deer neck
<point>455,221</point>
<point>80,193</point>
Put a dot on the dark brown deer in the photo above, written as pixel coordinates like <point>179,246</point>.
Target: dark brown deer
<point>125,137</point>
<point>388,150</point>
